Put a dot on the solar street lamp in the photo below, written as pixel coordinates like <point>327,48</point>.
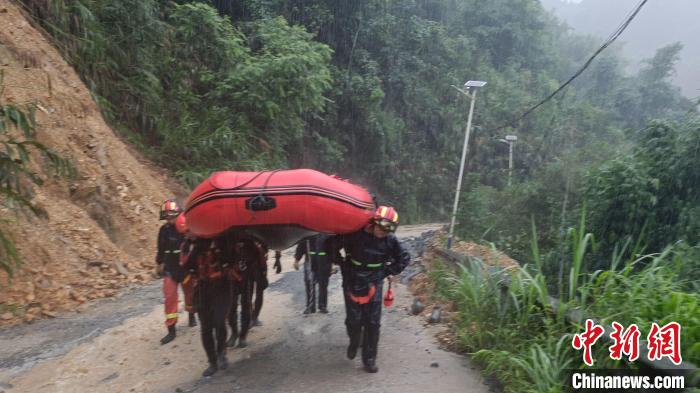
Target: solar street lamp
<point>510,140</point>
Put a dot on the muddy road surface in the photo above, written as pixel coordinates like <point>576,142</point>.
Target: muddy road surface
<point>113,346</point>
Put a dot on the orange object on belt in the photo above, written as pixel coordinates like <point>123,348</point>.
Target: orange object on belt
<point>235,275</point>
<point>364,299</point>
<point>389,297</point>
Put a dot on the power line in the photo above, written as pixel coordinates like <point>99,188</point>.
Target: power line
<point>605,44</point>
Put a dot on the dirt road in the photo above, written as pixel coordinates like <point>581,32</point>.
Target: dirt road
<point>112,346</point>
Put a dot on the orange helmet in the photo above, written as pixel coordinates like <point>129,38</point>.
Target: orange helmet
<point>169,209</point>
<point>181,224</point>
<point>386,217</point>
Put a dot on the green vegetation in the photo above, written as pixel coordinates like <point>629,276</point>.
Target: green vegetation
<point>191,89</point>
<point>527,344</point>
<point>358,88</point>
<point>638,264</point>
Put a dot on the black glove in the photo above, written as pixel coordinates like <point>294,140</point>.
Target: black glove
<point>159,270</point>
<point>388,273</point>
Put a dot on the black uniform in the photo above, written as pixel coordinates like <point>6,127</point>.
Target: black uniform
<point>368,260</point>
<point>317,270</point>
<point>245,269</point>
<point>260,283</point>
<point>212,297</point>
<point>169,242</point>
<point>278,262</point>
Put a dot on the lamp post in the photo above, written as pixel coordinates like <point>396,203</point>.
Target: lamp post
<point>469,90</point>
<point>510,140</point>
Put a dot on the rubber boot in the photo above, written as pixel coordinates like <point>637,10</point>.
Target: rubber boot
<point>222,361</point>
<point>371,366</point>
<point>211,370</point>
<point>355,333</point>
<point>168,337</point>
<point>232,340</point>
<point>309,310</point>
<point>369,348</point>
<point>192,320</point>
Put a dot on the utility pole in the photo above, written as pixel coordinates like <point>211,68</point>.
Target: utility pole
<point>510,140</point>
<point>467,91</point>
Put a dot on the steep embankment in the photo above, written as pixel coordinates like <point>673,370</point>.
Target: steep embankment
<point>102,225</point>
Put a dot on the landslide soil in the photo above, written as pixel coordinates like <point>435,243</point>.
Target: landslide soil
<point>424,290</point>
<point>102,224</point>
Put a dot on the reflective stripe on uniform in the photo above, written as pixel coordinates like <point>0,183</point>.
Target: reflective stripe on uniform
<point>172,251</point>
<point>369,265</point>
<point>171,316</point>
<point>321,254</point>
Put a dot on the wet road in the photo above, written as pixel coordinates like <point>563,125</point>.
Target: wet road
<point>112,346</point>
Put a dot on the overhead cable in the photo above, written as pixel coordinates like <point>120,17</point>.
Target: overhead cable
<point>605,44</point>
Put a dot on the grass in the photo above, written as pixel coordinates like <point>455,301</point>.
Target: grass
<point>518,338</point>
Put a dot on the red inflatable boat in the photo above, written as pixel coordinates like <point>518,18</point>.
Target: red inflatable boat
<point>279,207</point>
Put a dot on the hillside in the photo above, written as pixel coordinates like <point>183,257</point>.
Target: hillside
<point>102,225</point>
<point>659,24</point>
